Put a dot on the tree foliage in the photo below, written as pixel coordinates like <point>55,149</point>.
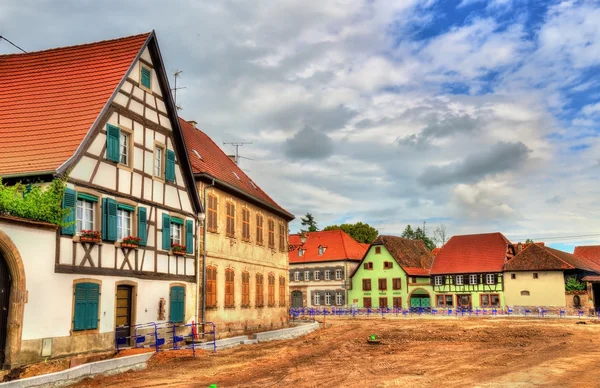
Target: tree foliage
<point>309,221</point>
<point>418,234</point>
<point>33,202</point>
<point>574,285</point>
<point>361,232</point>
<point>529,241</point>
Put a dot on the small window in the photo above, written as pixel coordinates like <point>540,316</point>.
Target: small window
<point>236,175</point>
<point>387,265</point>
<point>328,298</point>
<point>317,275</point>
<point>260,290</point>
<point>85,215</point>
<point>383,302</point>
<point>367,303</point>
<point>321,250</point>
<point>271,234</point>
<point>397,302</point>
<point>282,238</point>
<point>535,275</point>
<point>246,224</point>
<point>197,154</point>
<point>300,252</point>
<point>524,293</point>
<point>253,185</point>
<point>229,288</point>
<point>230,230</point>
<point>317,299</point>
<point>87,299</point>
<point>339,298</point>
<point>490,278</point>
<point>327,274</point>
<point>271,290</point>
<point>282,288</point>
<point>146,77</point>
<point>338,274</point>
<point>413,279</point>
<point>382,284</point>
<point>123,223</point>
<point>246,288</point>
<point>366,284</point>
<point>211,287</point>
<point>444,300</point>
<point>124,148</point>
<point>297,276</point>
<point>175,233</point>
<point>397,284</point>
<point>158,161</point>
<point>377,250</point>
<point>513,275</point>
<point>368,265</point>
<point>472,279</point>
<point>306,276</point>
<point>437,280</point>
<point>211,218</point>
<point>259,232</point>
<point>459,280</point>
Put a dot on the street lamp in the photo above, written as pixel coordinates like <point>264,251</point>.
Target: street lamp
<point>201,216</point>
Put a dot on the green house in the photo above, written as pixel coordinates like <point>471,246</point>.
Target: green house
<point>393,273</point>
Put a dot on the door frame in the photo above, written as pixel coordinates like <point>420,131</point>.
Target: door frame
<point>133,307</point>
<point>296,292</point>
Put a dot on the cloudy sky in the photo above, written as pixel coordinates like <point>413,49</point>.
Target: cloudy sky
<point>479,115</point>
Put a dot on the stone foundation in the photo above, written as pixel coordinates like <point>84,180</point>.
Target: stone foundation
<point>31,350</point>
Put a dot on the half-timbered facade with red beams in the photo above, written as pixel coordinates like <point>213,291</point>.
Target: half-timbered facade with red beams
<point>101,116</point>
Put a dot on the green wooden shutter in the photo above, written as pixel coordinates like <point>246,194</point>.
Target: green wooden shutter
<point>68,202</point>
<point>146,73</point>
<point>170,168</point>
<point>80,306</point>
<point>166,232</point>
<point>142,224</point>
<point>176,310</point>
<point>93,298</point>
<point>109,219</point>
<point>189,236</point>
<point>113,135</point>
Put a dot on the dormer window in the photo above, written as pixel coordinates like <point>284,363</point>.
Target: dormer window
<point>321,250</point>
<point>300,252</point>
<point>146,77</point>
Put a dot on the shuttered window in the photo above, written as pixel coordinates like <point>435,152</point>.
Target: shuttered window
<point>146,77</point>
<point>271,290</point>
<point>271,234</point>
<point>212,213</point>
<point>177,304</point>
<point>397,283</point>
<point>142,225</point>
<point>230,230</point>
<point>260,289</point>
<point>68,203</point>
<point>189,237</point>
<point>259,229</point>
<point>366,284</point>
<point>113,136</point>
<point>245,289</point>
<point>383,284</point>
<point>383,302</point>
<point>87,297</point>
<point>397,302</point>
<point>211,287</point>
<point>109,219</point>
<point>170,166</point>
<point>245,224</point>
<point>229,288</point>
<point>282,296</point>
<point>367,302</point>
<point>281,237</point>
<point>166,232</point>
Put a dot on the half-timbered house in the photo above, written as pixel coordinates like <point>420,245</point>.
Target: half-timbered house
<point>101,116</point>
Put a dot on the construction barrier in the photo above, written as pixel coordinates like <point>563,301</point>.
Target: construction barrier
<point>167,336</point>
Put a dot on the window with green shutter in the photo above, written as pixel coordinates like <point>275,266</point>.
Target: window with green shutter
<point>87,298</point>
<point>189,237</point>
<point>166,232</point>
<point>113,136</point>
<point>177,304</point>
<point>146,77</point>
<point>142,225</point>
<point>109,219</point>
<point>68,202</point>
<point>170,166</point>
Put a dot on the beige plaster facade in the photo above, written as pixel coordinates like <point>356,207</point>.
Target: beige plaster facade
<point>338,283</point>
<point>522,288</point>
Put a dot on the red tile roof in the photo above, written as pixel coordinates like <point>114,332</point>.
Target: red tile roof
<point>50,99</point>
<point>412,255</point>
<point>215,163</point>
<point>538,258</point>
<point>473,253</point>
<point>338,244</point>
<point>435,251</point>
<point>590,252</point>
<point>577,261</point>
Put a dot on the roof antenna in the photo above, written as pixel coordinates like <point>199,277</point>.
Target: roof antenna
<point>237,146</point>
<point>3,37</point>
<point>175,89</point>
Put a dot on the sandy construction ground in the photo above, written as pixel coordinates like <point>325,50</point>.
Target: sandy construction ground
<point>463,352</point>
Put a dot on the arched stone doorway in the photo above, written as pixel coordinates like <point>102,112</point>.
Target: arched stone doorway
<point>297,299</point>
<point>16,299</point>
<point>419,299</point>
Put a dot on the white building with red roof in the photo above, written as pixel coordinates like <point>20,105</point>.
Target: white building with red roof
<point>320,267</point>
<point>101,117</point>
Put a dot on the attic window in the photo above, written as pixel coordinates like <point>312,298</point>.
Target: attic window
<point>236,175</point>
<point>197,154</point>
<point>253,185</point>
<point>377,250</point>
<point>146,77</point>
<point>300,252</point>
<point>321,249</point>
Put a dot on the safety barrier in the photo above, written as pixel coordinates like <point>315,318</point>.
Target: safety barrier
<point>541,312</point>
<point>166,336</point>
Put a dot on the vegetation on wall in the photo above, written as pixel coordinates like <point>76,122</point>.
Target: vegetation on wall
<point>361,232</point>
<point>34,203</point>
<point>574,285</point>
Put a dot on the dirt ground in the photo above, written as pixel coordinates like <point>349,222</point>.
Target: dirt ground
<point>413,353</point>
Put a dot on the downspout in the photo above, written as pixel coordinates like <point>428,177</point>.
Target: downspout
<point>204,256</point>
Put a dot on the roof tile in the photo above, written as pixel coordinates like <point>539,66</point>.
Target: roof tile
<point>338,244</point>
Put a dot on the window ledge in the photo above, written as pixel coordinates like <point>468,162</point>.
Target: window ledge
<point>84,332</point>
<point>229,307</point>
<point>212,307</point>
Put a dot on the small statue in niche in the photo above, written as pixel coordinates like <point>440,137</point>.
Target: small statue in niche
<point>161,309</point>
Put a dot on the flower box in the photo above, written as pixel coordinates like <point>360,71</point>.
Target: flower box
<point>179,253</point>
<point>132,246</point>
<point>90,236</point>
<point>130,242</point>
<point>89,240</point>
<point>178,249</point>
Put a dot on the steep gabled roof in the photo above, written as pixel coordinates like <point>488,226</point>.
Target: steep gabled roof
<point>412,255</point>
<point>207,158</point>
<point>537,258</point>
<point>338,246</point>
<point>590,252</point>
<point>49,100</point>
<point>472,253</point>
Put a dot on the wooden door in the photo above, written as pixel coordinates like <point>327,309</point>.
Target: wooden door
<point>5,281</point>
<point>296,298</point>
<point>123,317</point>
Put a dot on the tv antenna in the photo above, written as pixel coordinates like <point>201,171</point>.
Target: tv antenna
<point>177,74</point>
<point>237,146</point>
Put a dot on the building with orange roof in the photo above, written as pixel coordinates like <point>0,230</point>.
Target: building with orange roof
<point>101,117</point>
<point>320,267</point>
<point>245,243</point>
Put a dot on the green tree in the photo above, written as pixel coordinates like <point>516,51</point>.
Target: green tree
<point>418,234</point>
<point>361,232</point>
<point>574,285</point>
<point>309,221</point>
<point>31,202</point>
<point>529,241</point>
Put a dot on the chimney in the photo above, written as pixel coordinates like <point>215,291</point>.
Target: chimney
<point>519,248</point>
<point>232,157</point>
<point>193,123</point>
